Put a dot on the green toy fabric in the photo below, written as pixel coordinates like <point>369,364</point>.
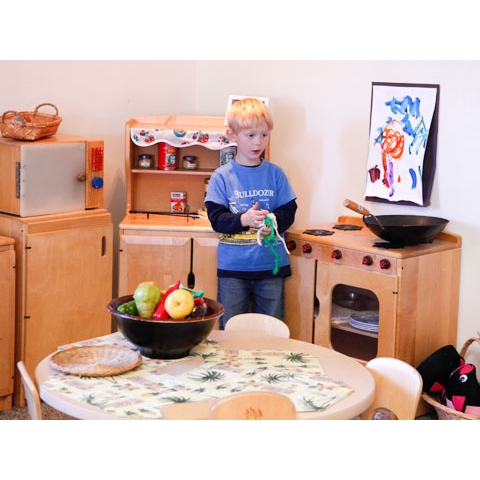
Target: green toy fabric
<point>270,222</point>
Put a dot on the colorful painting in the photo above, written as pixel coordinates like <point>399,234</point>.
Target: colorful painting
<point>400,127</point>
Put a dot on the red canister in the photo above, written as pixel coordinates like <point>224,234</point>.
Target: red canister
<point>167,156</point>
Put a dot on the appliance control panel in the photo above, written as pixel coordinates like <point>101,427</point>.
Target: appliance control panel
<point>379,262</point>
<point>97,159</point>
<point>94,169</point>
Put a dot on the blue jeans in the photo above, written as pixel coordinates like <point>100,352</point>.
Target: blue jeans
<point>262,296</point>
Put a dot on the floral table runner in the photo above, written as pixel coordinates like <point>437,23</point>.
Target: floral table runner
<point>208,373</point>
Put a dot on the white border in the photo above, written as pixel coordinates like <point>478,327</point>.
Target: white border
<point>235,98</point>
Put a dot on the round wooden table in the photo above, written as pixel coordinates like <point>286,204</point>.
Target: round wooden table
<point>336,365</point>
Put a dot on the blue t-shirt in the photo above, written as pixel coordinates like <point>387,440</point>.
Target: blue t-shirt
<point>238,188</point>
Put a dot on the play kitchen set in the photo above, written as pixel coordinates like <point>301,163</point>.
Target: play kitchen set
<point>391,293</point>
<point>51,198</point>
<point>351,290</point>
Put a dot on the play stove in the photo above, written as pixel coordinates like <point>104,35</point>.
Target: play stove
<point>355,293</point>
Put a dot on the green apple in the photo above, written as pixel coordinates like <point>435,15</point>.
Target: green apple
<point>179,304</point>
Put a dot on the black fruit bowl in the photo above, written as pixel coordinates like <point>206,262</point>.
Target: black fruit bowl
<point>165,338</point>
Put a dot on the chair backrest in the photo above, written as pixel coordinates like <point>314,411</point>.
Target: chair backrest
<point>258,323</point>
<point>398,387</point>
<point>31,393</point>
<point>253,406</point>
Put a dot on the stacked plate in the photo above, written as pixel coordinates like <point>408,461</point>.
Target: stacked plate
<point>367,321</point>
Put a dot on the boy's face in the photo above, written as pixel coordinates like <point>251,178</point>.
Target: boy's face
<point>251,142</point>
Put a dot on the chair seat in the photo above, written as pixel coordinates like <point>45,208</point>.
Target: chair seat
<point>398,387</point>
<point>258,323</point>
<point>253,406</point>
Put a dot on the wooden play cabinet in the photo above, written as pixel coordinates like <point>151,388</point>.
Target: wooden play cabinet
<point>156,242</point>
<point>415,288</point>
<point>63,282</point>
<point>7,321</point>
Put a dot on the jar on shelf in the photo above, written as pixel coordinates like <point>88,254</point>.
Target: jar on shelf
<point>227,155</point>
<point>144,161</point>
<point>206,182</point>
<point>167,156</point>
<point>189,162</point>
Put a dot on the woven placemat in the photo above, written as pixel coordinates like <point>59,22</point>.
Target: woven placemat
<point>95,360</point>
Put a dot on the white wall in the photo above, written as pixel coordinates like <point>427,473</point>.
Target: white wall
<point>321,111</point>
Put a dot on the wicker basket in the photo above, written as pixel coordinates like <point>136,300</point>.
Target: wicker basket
<point>30,125</point>
<point>444,412</point>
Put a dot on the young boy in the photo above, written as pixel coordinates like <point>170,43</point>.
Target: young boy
<point>251,267</point>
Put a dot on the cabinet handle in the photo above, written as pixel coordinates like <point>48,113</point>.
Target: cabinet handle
<point>191,275</point>
<point>104,246</point>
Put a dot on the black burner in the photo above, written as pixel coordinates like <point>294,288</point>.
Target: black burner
<point>387,245</point>
<point>346,226</point>
<point>318,232</point>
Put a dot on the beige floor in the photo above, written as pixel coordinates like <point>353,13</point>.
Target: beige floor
<point>48,413</point>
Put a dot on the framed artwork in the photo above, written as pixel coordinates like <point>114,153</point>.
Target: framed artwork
<point>235,98</point>
<point>402,143</point>
<point>227,155</point>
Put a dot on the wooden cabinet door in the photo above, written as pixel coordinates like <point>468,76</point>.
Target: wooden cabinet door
<point>205,265</point>
<point>163,259</point>
<point>300,298</point>
<point>68,286</point>
<point>7,325</point>
<point>383,286</point>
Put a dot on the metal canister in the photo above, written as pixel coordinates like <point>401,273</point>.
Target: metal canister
<point>167,156</point>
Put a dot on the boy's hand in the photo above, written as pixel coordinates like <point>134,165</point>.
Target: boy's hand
<point>253,217</point>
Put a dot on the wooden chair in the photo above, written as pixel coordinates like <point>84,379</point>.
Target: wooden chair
<point>258,323</point>
<point>398,387</point>
<point>31,393</point>
<point>253,406</point>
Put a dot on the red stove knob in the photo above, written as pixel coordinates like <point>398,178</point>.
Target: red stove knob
<point>337,254</point>
<point>367,260</point>
<point>306,248</point>
<point>291,245</point>
<point>385,263</point>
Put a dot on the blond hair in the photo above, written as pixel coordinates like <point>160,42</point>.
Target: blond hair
<point>248,113</point>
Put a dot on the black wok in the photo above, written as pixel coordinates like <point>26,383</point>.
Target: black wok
<point>400,229</point>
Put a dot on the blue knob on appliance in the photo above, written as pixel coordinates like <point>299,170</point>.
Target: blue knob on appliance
<point>97,182</point>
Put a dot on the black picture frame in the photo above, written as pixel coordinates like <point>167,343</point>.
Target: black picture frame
<point>430,157</point>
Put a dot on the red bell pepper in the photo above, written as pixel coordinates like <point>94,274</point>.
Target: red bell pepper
<point>200,301</point>
<point>160,312</point>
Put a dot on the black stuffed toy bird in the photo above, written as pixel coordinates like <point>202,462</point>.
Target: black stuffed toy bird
<point>462,390</point>
<point>437,367</point>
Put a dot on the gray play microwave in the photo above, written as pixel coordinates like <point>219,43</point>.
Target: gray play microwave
<point>57,174</point>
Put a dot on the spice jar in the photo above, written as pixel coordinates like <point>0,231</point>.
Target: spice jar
<point>189,162</point>
<point>206,182</point>
<point>144,161</point>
